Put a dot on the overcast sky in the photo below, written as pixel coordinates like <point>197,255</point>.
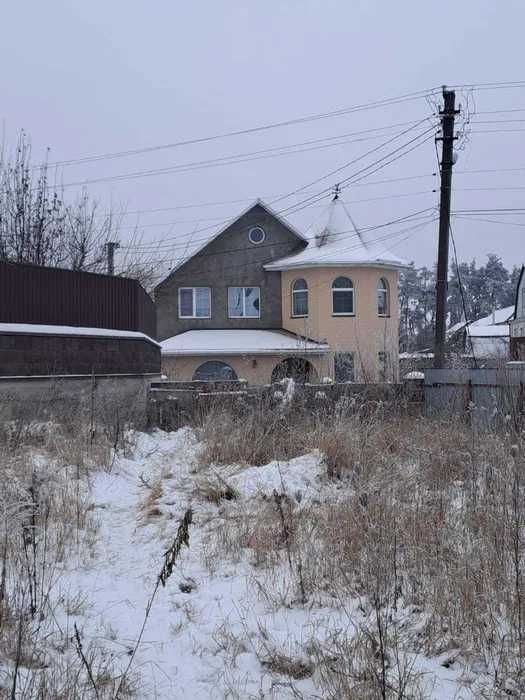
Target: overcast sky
<point>98,77</point>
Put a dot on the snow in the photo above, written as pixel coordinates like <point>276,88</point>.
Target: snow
<point>228,342</point>
<point>207,642</point>
<point>414,375</point>
<point>490,346</point>
<point>499,316</point>
<point>335,240</point>
<point>39,329</point>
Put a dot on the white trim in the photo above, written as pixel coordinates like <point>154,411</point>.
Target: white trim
<point>343,290</point>
<point>243,287</point>
<point>193,303</point>
<point>258,227</point>
<point>300,291</point>
<point>212,352</point>
<point>277,267</point>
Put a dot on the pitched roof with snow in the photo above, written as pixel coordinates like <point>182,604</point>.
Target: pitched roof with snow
<point>239,342</point>
<point>335,240</point>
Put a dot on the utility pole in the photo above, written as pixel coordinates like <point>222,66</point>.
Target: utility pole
<point>447,161</point>
<point>111,246</point>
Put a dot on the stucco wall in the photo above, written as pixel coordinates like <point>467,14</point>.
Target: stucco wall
<point>365,333</point>
<point>256,369</point>
<point>230,261</point>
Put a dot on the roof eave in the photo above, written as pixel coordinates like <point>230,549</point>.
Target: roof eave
<point>271,351</point>
<point>275,267</point>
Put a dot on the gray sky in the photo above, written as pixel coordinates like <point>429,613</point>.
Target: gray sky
<point>96,77</point>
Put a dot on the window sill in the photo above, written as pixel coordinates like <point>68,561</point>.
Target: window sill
<point>339,315</point>
<point>243,318</point>
<point>383,315</point>
<point>299,316</point>
<point>194,318</point>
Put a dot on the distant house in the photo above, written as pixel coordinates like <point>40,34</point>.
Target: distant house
<point>517,324</point>
<point>260,301</point>
<point>487,337</point>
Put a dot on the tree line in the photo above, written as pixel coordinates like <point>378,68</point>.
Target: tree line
<point>473,292</point>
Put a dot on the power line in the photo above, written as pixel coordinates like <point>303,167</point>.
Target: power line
<point>191,242</point>
<point>160,224</point>
<point>173,260</point>
<point>251,130</point>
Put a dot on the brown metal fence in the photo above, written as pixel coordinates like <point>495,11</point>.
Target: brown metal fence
<point>52,296</point>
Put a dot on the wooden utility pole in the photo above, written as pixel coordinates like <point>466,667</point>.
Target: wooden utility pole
<point>447,161</point>
<point>111,246</point>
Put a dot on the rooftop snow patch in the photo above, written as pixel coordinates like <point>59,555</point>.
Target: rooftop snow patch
<point>41,329</point>
<point>335,240</point>
<point>239,342</point>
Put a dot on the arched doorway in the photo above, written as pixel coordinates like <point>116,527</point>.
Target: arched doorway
<point>296,368</point>
<point>214,370</point>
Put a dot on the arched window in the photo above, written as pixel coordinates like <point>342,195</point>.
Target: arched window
<point>382,298</point>
<point>343,297</point>
<point>214,370</point>
<point>300,298</point>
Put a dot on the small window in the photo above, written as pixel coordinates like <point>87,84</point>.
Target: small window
<point>194,302</point>
<point>342,297</point>
<point>256,235</point>
<point>344,367</point>
<point>383,365</point>
<point>244,302</point>
<point>382,298</point>
<point>299,298</point>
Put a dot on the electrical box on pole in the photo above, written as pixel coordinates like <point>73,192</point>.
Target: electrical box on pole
<point>447,138</point>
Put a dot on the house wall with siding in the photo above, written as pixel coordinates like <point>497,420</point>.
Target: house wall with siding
<point>365,333</point>
<point>230,260</point>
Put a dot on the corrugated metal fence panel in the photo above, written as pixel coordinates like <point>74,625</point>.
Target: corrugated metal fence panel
<point>44,295</point>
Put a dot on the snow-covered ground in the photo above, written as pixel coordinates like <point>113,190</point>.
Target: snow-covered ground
<point>218,621</point>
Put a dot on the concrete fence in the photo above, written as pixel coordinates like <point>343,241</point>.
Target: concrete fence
<point>488,398</point>
<point>173,404</point>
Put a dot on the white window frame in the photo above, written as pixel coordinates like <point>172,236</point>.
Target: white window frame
<point>244,288</point>
<point>256,228</point>
<point>386,291</point>
<point>194,302</point>
<point>335,290</point>
<point>300,291</point>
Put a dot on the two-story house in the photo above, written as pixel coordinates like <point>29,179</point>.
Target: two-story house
<point>261,301</point>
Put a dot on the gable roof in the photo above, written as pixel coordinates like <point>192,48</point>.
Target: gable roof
<point>336,240</point>
<point>191,251</point>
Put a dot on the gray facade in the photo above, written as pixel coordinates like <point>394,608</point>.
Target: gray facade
<point>230,260</point>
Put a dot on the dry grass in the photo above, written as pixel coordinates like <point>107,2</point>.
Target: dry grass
<point>432,523</point>
<point>46,519</point>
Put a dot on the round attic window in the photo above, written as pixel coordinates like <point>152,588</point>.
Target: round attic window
<point>256,235</point>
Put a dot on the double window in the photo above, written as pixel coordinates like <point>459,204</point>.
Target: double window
<point>194,302</point>
<point>244,302</point>
<point>299,298</point>
<point>343,297</point>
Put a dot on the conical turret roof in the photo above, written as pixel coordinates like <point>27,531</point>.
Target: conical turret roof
<point>335,240</point>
